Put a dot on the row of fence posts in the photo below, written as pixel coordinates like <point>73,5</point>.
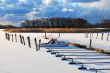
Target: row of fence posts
<point>10,37</point>
<point>102,35</point>
<point>91,36</point>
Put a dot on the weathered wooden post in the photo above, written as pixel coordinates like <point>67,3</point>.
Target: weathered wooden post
<point>39,43</point>
<point>12,37</point>
<point>29,42</point>
<point>102,36</point>
<point>51,34</point>
<point>86,35</point>
<point>6,35</point>
<point>90,43</point>
<point>36,44</point>
<point>108,36</point>
<point>45,36</point>
<point>15,37</point>
<point>96,71</point>
<point>97,36</point>
<point>59,35</point>
<point>92,35</point>
<point>23,40</point>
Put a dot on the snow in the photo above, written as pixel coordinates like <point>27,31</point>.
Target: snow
<point>80,38</point>
<point>17,58</point>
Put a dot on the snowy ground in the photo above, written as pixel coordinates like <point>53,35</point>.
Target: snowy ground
<point>81,39</point>
<point>17,58</point>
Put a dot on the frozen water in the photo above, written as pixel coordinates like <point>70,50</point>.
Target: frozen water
<point>16,58</point>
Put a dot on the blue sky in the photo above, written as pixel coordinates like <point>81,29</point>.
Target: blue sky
<point>15,11</point>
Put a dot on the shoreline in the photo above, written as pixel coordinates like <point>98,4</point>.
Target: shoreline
<point>56,30</point>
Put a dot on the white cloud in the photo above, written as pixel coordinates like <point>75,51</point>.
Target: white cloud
<point>67,9</point>
<point>100,4</point>
<point>2,7</point>
<point>23,1</point>
<point>18,10</point>
<point>46,2</point>
<point>31,15</point>
<point>10,5</point>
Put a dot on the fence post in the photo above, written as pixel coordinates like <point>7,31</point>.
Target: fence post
<point>39,43</point>
<point>97,36</point>
<point>12,37</point>
<point>92,35</point>
<point>15,37</point>
<point>108,37</point>
<point>23,40</point>
<point>59,35</point>
<point>36,43</point>
<point>29,42</point>
<point>45,36</point>
<point>96,71</point>
<point>90,43</point>
<point>86,35</point>
<point>51,34</point>
<point>6,35</point>
<point>102,36</point>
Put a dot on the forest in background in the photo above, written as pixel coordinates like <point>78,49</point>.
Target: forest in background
<point>64,23</point>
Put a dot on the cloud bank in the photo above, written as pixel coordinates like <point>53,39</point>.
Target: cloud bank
<point>15,11</point>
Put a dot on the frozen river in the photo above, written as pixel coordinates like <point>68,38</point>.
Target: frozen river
<point>17,58</point>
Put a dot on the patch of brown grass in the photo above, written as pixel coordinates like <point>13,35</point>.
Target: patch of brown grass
<point>54,30</point>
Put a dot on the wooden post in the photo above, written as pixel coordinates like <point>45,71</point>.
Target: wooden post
<point>29,42</point>
<point>12,37</point>
<point>96,71</point>
<point>108,37</point>
<point>6,35</point>
<point>102,36</point>
<point>36,43</point>
<point>92,35</point>
<point>59,35</point>
<point>51,34</point>
<point>39,43</point>
<point>90,43</point>
<point>45,35</point>
<point>97,36</point>
<point>23,40</point>
<point>15,37</point>
<point>86,35</point>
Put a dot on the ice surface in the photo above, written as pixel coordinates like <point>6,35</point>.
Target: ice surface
<point>17,58</point>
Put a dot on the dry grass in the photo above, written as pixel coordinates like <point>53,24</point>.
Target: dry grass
<point>55,30</point>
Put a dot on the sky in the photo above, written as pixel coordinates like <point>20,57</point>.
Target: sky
<point>16,11</point>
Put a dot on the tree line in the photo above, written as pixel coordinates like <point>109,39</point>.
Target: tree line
<point>6,26</point>
<point>63,23</point>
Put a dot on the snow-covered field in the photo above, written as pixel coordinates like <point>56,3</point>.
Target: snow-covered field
<point>17,58</point>
<point>80,38</point>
